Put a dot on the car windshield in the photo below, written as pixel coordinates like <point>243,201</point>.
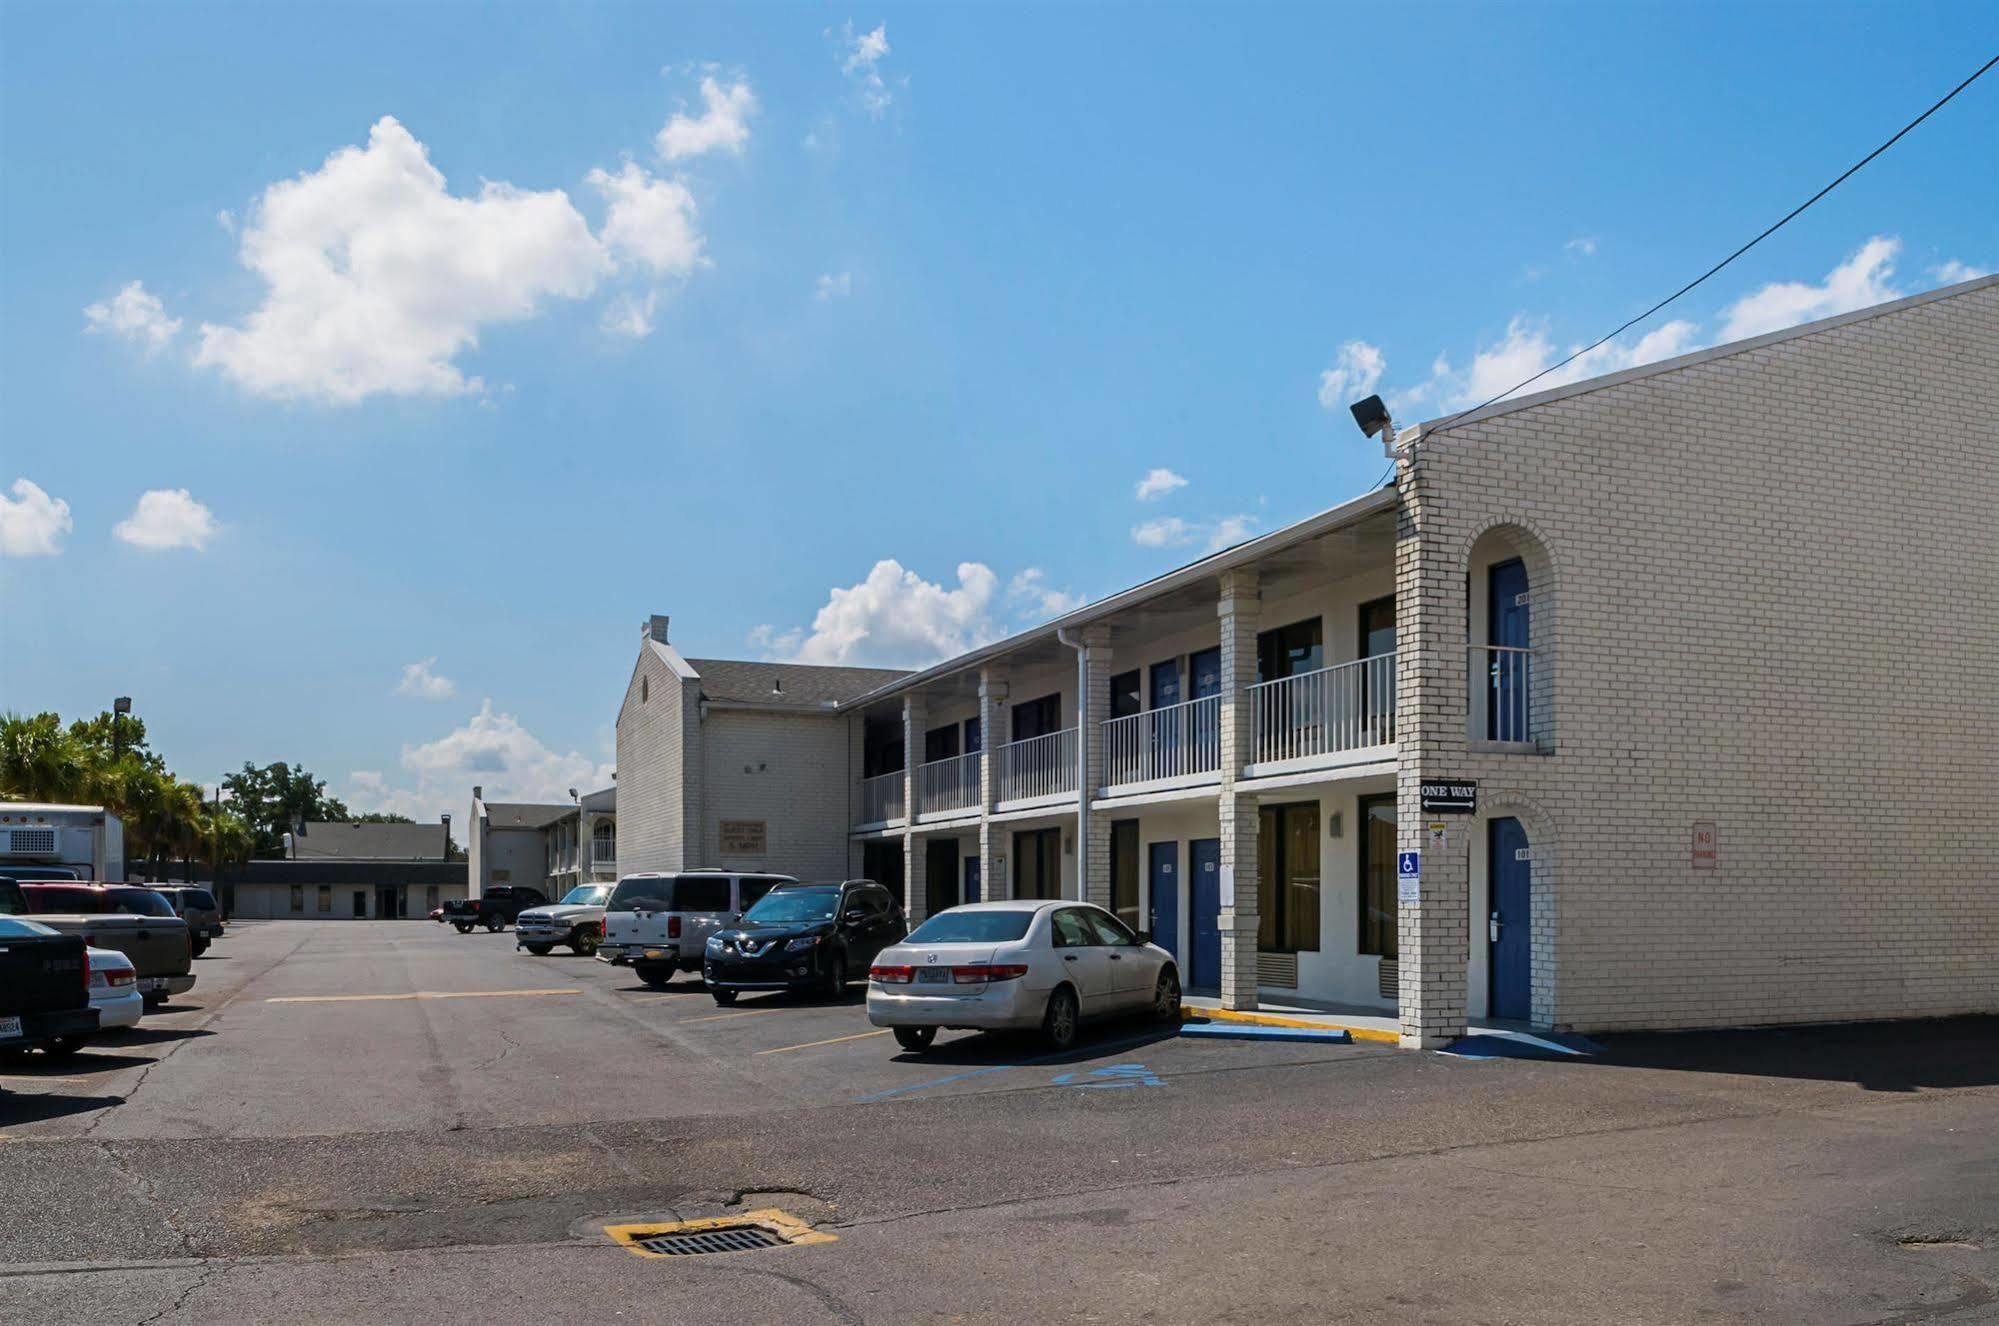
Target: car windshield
<point>20,927</point>
<point>970,927</point>
<point>794,905</point>
<point>586,895</point>
<point>139,902</point>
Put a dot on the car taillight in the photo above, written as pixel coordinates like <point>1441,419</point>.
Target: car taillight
<point>891,975</point>
<point>980,973</point>
<point>673,927</point>
<point>120,976</point>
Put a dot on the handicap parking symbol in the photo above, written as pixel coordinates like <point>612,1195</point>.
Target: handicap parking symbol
<point>1116,1075</point>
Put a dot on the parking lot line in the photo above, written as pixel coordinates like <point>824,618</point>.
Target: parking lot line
<point>739,1013</point>
<point>414,994</point>
<point>857,1036</point>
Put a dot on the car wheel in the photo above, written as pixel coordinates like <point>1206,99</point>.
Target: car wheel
<point>62,1047</point>
<point>654,974</point>
<point>154,998</point>
<point>1058,1024</point>
<point>915,1039</point>
<point>836,976</point>
<point>495,926</point>
<point>539,950</point>
<point>462,927</point>
<point>583,942</point>
<point>723,997</point>
<point>200,947</point>
<point>1166,997</point>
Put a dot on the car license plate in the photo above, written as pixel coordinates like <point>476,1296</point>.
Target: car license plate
<point>932,975</point>
<point>10,1029</point>
<point>153,983</point>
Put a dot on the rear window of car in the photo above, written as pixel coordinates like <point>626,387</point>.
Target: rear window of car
<point>956,927</point>
<point>138,902</point>
<point>654,894</point>
<point>198,898</point>
<point>57,898</point>
<point>701,893</point>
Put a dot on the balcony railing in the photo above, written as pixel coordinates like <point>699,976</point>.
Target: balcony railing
<point>881,798</point>
<point>1345,707</point>
<point>1038,767</point>
<point>1174,741</point>
<point>604,856</point>
<point>948,784</point>
<point>1508,686</point>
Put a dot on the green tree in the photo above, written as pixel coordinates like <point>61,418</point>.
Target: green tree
<point>381,817</point>
<point>39,761</point>
<point>275,798</point>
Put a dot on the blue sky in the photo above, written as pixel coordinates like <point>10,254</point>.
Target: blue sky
<point>373,470</point>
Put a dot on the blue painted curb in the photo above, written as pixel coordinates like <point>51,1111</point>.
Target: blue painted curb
<point>1522,1045</point>
<point>1241,1031</point>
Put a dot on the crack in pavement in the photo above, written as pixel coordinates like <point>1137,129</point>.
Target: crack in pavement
<point>210,1271</point>
<point>170,1216</point>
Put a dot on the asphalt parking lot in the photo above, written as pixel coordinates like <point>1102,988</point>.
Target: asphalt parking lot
<point>362,1121</point>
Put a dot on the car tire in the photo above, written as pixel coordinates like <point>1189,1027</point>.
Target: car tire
<point>1166,998</point>
<point>63,1047</point>
<point>1058,1024</point>
<point>836,976</point>
<point>723,997</point>
<point>539,950</point>
<point>655,974</point>
<point>154,998</point>
<point>583,942</point>
<point>915,1039</point>
<point>200,947</point>
<point>462,927</point>
<point>495,926</point>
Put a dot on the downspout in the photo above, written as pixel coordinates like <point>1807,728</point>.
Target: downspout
<point>1082,759</point>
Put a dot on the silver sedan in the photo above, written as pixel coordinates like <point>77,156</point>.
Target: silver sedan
<point>1019,965</point>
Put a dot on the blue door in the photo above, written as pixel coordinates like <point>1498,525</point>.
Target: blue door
<point>1506,701</point>
<point>1166,735</point>
<point>971,879</point>
<point>1204,900</point>
<point>1511,932</point>
<point>1163,890</point>
<point>1204,673</point>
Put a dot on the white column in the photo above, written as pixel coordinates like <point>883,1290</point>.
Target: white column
<point>1239,608</point>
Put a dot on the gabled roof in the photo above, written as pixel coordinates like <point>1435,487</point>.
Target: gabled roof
<point>525,814</point>
<point>793,684</point>
<point>344,840</point>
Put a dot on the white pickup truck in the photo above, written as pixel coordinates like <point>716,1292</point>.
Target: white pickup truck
<point>577,920</point>
<point>659,923</point>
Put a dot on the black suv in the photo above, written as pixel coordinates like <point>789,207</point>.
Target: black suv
<point>803,937</point>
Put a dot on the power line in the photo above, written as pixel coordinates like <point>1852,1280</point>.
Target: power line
<point>1768,231</point>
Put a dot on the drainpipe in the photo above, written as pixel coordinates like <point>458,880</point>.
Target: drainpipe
<point>1082,759</point>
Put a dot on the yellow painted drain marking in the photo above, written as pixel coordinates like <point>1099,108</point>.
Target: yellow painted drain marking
<point>858,1036</point>
<point>415,994</point>
<point>779,1223</point>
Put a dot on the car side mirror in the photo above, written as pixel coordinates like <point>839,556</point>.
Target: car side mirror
<point>1145,936</point>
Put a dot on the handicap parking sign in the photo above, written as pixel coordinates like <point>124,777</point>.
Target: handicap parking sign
<point>1408,878</point>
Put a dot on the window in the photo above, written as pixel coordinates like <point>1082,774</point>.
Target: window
<point>1287,850</point>
<point>298,897</point>
<point>1037,718</point>
<point>138,902</point>
<point>645,689</point>
<point>326,897</point>
<point>1110,930</point>
<point>1071,929</point>
<point>651,892</point>
<point>1377,876</point>
<point>876,899</point>
<point>1289,650</point>
<point>1124,870</point>
<point>881,749</point>
<point>941,743</point>
<point>1125,698</point>
<point>1037,864</point>
<point>701,893</point>
<point>750,890</point>
<point>1377,627</point>
<point>996,927</point>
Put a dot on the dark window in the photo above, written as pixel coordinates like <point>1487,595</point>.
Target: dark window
<point>1125,697</point>
<point>59,899</point>
<point>701,893</point>
<point>645,689</point>
<point>1287,850</point>
<point>1071,929</point>
<point>975,737</point>
<point>881,749</point>
<point>750,890</point>
<point>940,743</point>
<point>1109,929</point>
<point>876,899</point>
<point>996,927</point>
<point>654,893</point>
<point>1377,627</point>
<point>138,902</point>
<point>1124,870</point>
<point>881,861</point>
<point>1289,650</point>
<point>1377,876</point>
<point>1037,718</point>
<point>1037,864</point>
<point>199,899</point>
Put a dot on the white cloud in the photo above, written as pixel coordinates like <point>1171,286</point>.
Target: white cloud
<point>1032,596</point>
<point>650,221</point>
<point>1213,535</point>
<point>1524,351</point>
<point>834,285</point>
<point>31,522</point>
<point>1356,368</point>
<point>864,52</point>
<point>631,315</point>
<point>491,750</point>
<point>1165,532</point>
<point>378,277</point>
<point>421,682</point>
<point>894,618</point>
<point>227,220</point>
<point>1864,278</point>
<point>167,518</point>
<point>1230,530</point>
<point>722,127</point>
<point>1583,246</point>
<point>1950,273</point>
<point>1157,483</point>
<point>136,314</point>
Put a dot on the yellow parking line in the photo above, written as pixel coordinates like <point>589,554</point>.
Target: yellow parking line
<point>415,994</point>
<point>739,1013</point>
<point>858,1036</point>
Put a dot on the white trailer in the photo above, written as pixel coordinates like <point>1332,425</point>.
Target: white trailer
<point>87,839</point>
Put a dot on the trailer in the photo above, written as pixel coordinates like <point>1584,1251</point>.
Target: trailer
<point>86,840</point>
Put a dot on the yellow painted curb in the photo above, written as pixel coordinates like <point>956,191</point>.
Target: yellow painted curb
<point>787,1227</point>
<point>1279,1020</point>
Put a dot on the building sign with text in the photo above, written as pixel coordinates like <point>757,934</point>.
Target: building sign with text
<point>745,838</point>
<point>1450,796</point>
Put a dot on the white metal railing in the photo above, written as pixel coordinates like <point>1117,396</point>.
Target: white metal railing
<point>881,797</point>
<point>604,854</point>
<point>1345,707</point>
<point>1039,766</point>
<point>1172,741</point>
<point>951,783</point>
<point>1509,690</point>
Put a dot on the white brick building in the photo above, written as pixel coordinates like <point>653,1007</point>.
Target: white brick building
<point>1716,639</point>
<point>552,846</point>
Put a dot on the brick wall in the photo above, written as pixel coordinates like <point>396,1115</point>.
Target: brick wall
<point>788,770</point>
<point>651,760</point>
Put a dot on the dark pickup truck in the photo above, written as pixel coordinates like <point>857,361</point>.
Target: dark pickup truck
<point>495,909</point>
<point>44,989</point>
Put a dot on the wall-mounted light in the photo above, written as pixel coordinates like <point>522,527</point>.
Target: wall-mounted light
<point>1333,825</point>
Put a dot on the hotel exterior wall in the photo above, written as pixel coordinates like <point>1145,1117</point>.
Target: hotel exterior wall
<point>653,793</point>
<point>787,770</point>
<point>1776,608</point>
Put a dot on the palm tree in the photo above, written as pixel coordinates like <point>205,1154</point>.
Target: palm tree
<point>39,761</point>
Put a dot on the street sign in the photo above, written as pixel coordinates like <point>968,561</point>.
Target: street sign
<point>1451,796</point>
<point>1408,878</point>
<point>1706,851</point>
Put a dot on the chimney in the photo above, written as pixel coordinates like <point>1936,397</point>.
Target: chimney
<point>478,792</point>
<point>447,836</point>
<point>655,628</point>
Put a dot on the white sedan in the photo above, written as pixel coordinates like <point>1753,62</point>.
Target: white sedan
<point>992,966</point>
<point>114,989</point>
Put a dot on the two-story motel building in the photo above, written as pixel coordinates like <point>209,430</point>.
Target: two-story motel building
<point>1681,685</point>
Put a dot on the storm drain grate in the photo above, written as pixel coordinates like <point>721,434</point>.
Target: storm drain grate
<point>740,1238</point>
